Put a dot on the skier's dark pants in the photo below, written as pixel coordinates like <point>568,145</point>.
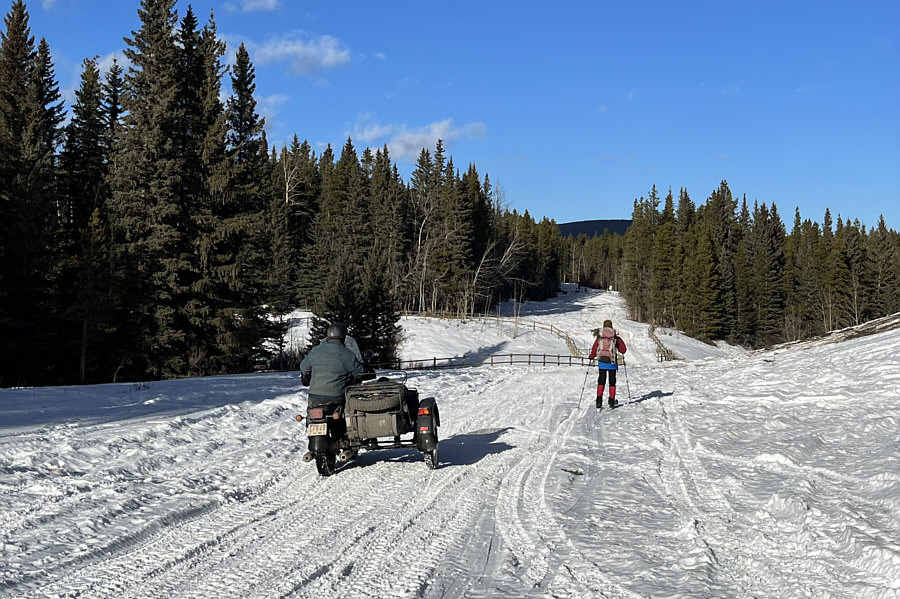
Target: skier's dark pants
<point>601,380</point>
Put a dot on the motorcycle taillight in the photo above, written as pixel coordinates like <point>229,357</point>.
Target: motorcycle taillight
<point>316,413</point>
<point>424,412</point>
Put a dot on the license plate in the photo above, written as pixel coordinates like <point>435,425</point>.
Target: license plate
<point>317,429</point>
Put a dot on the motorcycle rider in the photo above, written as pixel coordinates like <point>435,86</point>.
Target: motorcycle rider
<point>329,367</point>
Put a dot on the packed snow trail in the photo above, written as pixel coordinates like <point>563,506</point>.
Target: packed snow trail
<point>765,474</point>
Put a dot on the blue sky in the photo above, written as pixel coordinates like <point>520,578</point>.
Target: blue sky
<point>575,108</point>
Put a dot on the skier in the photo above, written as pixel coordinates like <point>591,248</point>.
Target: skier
<point>607,347</point>
<point>329,367</point>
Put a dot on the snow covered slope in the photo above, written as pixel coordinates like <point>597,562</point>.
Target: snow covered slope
<point>764,474</point>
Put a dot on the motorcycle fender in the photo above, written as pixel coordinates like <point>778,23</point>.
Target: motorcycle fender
<point>426,441</point>
<point>318,443</point>
<point>426,425</point>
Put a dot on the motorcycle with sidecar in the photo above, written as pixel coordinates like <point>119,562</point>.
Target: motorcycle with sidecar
<point>379,414</point>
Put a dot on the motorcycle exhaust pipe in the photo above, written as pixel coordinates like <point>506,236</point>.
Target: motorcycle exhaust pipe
<point>308,456</point>
<point>345,455</point>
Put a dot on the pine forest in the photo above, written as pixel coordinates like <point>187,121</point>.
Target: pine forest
<point>152,231</point>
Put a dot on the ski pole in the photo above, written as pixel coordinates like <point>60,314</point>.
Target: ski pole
<point>625,370</point>
<point>583,385</point>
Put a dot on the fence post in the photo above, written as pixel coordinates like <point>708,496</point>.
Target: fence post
<point>434,363</point>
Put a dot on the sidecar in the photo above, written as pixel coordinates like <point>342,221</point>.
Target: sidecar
<point>386,414</point>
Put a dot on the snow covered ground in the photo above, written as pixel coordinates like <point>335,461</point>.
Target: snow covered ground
<point>726,474</point>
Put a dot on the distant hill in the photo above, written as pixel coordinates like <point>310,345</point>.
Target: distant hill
<point>593,228</point>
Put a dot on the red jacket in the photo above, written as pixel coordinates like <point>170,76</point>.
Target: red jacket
<point>609,334</point>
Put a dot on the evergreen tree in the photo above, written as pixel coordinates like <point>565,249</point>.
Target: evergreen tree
<point>30,115</point>
<point>84,192</point>
<point>147,219</point>
<point>835,278</point>
<point>663,266</point>
<point>84,157</point>
<point>883,266</point>
<point>767,273</point>
<point>391,215</point>
<point>213,308</point>
<point>424,209</point>
<point>638,257</point>
<point>791,327</point>
<point>243,222</point>
<point>113,90</point>
<point>745,286</point>
<point>701,311</point>
<point>722,222</point>
<point>859,282</point>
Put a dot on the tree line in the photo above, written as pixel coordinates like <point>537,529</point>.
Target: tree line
<point>726,270</point>
<point>156,234</point>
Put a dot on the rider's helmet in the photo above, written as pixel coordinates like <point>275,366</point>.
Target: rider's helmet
<point>337,330</point>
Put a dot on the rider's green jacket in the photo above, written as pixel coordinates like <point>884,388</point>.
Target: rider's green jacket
<point>326,367</point>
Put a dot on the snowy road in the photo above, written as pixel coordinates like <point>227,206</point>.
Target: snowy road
<point>768,474</point>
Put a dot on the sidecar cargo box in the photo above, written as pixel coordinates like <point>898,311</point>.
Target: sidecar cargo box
<point>386,396</point>
<point>379,410</point>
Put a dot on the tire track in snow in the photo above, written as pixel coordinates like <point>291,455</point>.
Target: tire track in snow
<point>535,532</point>
<point>181,541</point>
<point>710,513</point>
<point>197,558</point>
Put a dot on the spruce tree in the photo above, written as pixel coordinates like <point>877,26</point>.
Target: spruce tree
<point>768,272</point>
<point>391,216</point>
<point>744,282</point>
<point>30,115</point>
<point>244,220</point>
<point>638,257</point>
<point>424,209</point>
<point>213,302</point>
<point>83,193</point>
<point>113,90</point>
<point>859,282</point>
<point>701,311</point>
<point>663,266</point>
<point>147,218</point>
<point>882,264</point>
<point>722,223</point>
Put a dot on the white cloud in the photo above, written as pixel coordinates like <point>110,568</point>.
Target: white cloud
<point>367,132</point>
<point>632,94</point>
<point>267,107</point>
<point>303,57</point>
<point>259,5</point>
<point>407,142</point>
<point>48,4</point>
<point>104,63</point>
<point>732,90</point>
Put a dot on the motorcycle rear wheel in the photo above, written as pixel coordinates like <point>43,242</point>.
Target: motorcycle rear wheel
<point>325,463</point>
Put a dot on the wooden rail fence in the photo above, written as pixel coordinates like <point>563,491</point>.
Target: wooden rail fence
<point>464,361</point>
<point>575,357</point>
<point>663,353</point>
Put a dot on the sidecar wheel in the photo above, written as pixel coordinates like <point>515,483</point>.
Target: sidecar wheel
<point>431,458</point>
